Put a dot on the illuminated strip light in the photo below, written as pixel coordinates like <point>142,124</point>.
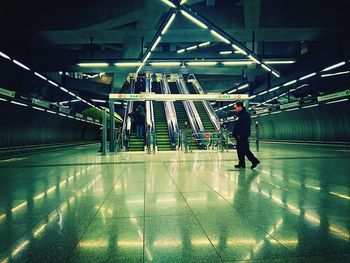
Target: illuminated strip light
<point>276,74</point>
<point>252,97</point>
<point>276,62</point>
<point>38,108</point>
<point>165,63</point>
<point>263,114</point>
<point>310,106</point>
<point>3,99</point>
<point>156,43</point>
<point>308,76</point>
<point>220,36</point>
<point>275,88</point>
<point>266,67</point>
<point>225,52</point>
<point>238,49</point>
<point>191,48</point>
<point>169,3</point>
<point>204,63</point>
<point>18,103</point>
<point>20,64</point>
<point>65,90</point>
<point>20,248</point>
<point>336,101</point>
<point>335,74</point>
<point>234,63</point>
<point>181,50</point>
<point>127,64</point>
<point>275,112</point>
<point>93,64</point>
<point>262,93</point>
<point>168,24</point>
<point>254,59</point>
<point>334,66</point>
<point>102,101</point>
<point>292,109</point>
<point>49,111</point>
<point>5,56</point>
<point>340,195</point>
<point>289,83</point>
<point>243,87</point>
<point>147,57</point>
<point>53,83</point>
<point>195,20</point>
<point>204,44</point>
<point>40,76</point>
<point>182,2</point>
<point>231,91</point>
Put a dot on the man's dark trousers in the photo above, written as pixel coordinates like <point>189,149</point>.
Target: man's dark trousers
<point>243,150</point>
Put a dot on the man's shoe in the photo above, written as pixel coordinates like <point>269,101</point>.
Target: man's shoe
<point>255,164</point>
<point>239,166</point>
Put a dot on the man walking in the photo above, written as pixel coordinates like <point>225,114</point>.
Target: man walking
<point>241,132</point>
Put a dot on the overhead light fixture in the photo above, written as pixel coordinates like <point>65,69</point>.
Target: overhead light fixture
<point>225,52</point>
<point>252,97</point>
<point>243,86</point>
<point>95,100</point>
<point>156,43</point>
<point>276,62</point>
<point>182,2</point>
<point>181,50</point>
<point>40,76</point>
<point>276,74</point>
<point>201,63</point>
<point>335,74</point>
<point>334,66</point>
<point>238,49</point>
<point>4,56</point>
<point>254,59</point>
<point>65,90</point>
<point>236,63</point>
<point>231,91</point>
<point>53,83</point>
<point>20,64</point>
<point>147,57</point>
<point>195,20</point>
<point>289,83</point>
<point>266,68</point>
<point>118,102</point>
<point>169,64</point>
<point>310,106</point>
<point>127,64</point>
<point>3,99</point>
<point>93,64</point>
<point>275,88</point>
<point>169,3</point>
<point>262,93</point>
<point>336,101</point>
<point>36,108</point>
<point>18,103</point>
<point>191,48</point>
<point>220,36</point>
<point>204,44</point>
<point>168,24</point>
<point>308,76</point>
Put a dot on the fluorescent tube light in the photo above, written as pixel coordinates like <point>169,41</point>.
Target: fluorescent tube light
<point>262,93</point>
<point>310,106</point>
<point>3,99</point>
<point>170,64</point>
<point>127,64</point>
<point>168,24</point>
<point>266,68</point>
<point>236,63</point>
<point>118,102</point>
<point>93,64</point>
<point>203,63</point>
<point>252,97</point>
<point>53,83</point>
<point>65,90</point>
<point>335,74</point>
<point>274,88</point>
<point>231,91</point>
<point>243,86</point>
<point>5,56</point>
<point>225,52</point>
<point>20,64</point>
<point>195,20</point>
<point>276,62</point>
<point>70,117</point>
<point>51,112</point>
<point>71,93</point>
<point>156,43</point>
<point>191,48</point>
<point>181,50</point>
<point>204,44</point>
<point>334,66</point>
<point>40,76</point>
<point>275,112</point>
<point>18,103</point>
<point>290,83</point>
<point>64,115</point>
<point>292,109</point>
<point>38,108</point>
<point>263,114</point>
<point>220,36</point>
<point>147,57</point>
<point>336,101</point>
<point>238,49</point>
<point>169,3</point>
<point>308,76</point>
<point>102,101</point>
<point>182,2</point>
<point>276,74</point>
<point>254,59</point>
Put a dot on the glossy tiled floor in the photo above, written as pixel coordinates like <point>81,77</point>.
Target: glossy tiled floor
<point>77,206</point>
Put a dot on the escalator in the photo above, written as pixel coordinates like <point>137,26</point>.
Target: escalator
<point>181,113</point>
<point>208,124</point>
<point>135,144</point>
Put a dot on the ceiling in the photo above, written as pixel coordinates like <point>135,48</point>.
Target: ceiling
<point>53,36</point>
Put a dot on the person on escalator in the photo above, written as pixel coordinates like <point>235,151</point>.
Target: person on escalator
<point>140,121</point>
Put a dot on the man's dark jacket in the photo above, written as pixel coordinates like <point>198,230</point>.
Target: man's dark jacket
<point>241,128</point>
